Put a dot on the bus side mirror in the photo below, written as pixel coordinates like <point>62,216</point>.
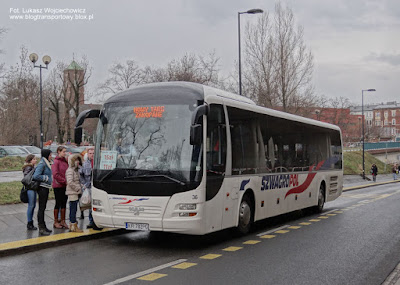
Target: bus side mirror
<point>78,135</point>
<point>196,134</point>
<point>79,121</point>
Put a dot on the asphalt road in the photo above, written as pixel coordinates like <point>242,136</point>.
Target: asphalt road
<point>357,242</point>
<point>9,176</point>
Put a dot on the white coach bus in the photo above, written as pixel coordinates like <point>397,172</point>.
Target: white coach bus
<point>187,158</point>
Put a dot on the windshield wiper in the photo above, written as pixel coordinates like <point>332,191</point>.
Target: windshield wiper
<point>156,175</point>
<point>108,175</point>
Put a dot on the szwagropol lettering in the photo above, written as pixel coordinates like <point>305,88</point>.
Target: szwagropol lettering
<point>270,182</point>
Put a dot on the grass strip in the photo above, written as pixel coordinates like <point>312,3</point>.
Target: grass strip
<point>9,193</point>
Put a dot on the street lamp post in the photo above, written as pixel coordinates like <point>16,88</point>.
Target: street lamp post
<point>252,11</point>
<point>46,60</point>
<point>362,118</point>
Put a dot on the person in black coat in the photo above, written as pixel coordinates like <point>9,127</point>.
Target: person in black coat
<point>374,171</point>
<point>30,162</point>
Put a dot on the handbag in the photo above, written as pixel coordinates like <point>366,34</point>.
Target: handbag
<point>28,181</point>
<point>24,195</point>
<point>85,202</point>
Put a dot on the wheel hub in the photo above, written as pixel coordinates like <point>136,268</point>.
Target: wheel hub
<point>244,215</point>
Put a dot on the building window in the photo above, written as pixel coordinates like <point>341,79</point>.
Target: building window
<point>393,122</point>
<point>377,115</point>
<point>386,114</point>
<point>393,113</point>
<point>377,123</point>
<point>386,122</point>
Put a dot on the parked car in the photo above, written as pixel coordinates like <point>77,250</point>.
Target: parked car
<point>70,149</point>
<point>32,150</point>
<point>12,151</point>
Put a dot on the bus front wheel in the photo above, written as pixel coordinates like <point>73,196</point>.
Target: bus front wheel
<point>245,215</point>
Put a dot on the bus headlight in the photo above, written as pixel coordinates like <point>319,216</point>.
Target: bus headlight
<point>186,207</point>
<point>96,202</point>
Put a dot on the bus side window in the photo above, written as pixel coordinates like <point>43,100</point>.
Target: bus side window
<point>245,143</point>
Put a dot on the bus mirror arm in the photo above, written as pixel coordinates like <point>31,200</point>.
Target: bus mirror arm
<point>196,134</point>
<point>196,129</point>
<point>79,121</point>
<point>198,113</point>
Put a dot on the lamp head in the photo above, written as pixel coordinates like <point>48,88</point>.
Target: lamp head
<point>254,11</point>
<point>46,59</point>
<point>371,90</point>
<point>33,57</point>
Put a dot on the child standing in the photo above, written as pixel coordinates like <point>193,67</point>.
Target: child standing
<point>74,189</point>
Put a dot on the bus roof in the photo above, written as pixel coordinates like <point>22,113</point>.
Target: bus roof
<point>237,100</point>
<point>200,92</point>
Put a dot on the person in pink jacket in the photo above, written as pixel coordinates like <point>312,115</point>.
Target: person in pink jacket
<point>59,184</point>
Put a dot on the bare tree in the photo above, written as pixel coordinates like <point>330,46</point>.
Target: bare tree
<point>2,65</point>
<point>19,103</point>
<point>122,76</point>
<point>278,66</point>
<point>259,75</point>
<point>190,67</point>
<point>55,91</point>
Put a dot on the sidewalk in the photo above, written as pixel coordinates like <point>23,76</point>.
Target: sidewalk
<point>14,237</point>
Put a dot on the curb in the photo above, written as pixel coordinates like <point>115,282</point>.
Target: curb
<point>369,185</point>
<point>42,242</point>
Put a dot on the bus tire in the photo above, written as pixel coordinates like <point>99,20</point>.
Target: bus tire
<point>245,215</point>
<point>321,199</point>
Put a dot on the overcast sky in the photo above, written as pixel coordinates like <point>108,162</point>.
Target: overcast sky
<point>356,44</point>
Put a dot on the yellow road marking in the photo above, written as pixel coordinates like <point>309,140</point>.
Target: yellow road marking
<point>281,232</point>
<point>210,256</point>
<point>232,248</point>
<point>51,238</point>
<point>251,242</point>
<point>323,217</point>
<point>152,276</point>
<point>184,265</point>
<point>294,227</point>
<point>315,220</point>
<point>267,236</point>
<point>331,214</point>
<point>305,224</point>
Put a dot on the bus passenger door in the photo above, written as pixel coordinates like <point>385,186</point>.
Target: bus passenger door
<point>216,148</point>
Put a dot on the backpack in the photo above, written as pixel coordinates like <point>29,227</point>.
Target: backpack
<point>23,195</point>
<point>28,181</point>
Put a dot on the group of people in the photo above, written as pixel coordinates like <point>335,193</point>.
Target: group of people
<point>374,171</point>
<point>68,176</point>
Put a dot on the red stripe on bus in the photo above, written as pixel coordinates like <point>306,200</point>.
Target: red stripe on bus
<point>307,182</point>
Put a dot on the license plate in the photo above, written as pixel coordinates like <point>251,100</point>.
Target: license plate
<point>137,226</point>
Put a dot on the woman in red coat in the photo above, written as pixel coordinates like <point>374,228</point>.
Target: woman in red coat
<point>58,169</point>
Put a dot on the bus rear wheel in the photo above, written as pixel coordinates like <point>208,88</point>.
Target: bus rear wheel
<point>321,199</point>
<point>245,215</point>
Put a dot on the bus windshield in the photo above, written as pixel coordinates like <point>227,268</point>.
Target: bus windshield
<point>146,143</point>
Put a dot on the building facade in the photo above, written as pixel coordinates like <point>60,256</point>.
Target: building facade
<point>382,120</point>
